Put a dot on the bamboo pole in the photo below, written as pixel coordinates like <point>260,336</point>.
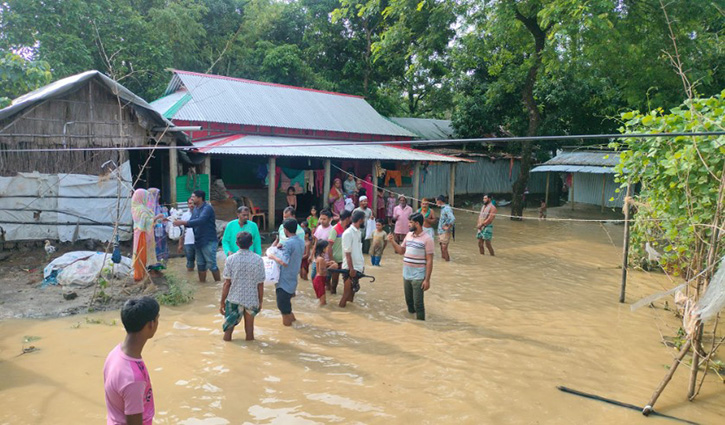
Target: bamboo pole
<point>625,250</point>
<point>271,191</point>
<point>604,185</point>
<point>670,373</point>
<point>546,196</point>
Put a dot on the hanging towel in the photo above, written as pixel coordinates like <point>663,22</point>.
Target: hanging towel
<point>294,178</point>
<point>319,181</point>
<point>309,181</point>
<point>262,173</point>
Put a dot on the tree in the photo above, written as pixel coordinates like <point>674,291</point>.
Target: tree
<point>19,76</point>
<point>681,204</point>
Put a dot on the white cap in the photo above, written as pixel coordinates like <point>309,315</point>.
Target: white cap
<point>363,198</point>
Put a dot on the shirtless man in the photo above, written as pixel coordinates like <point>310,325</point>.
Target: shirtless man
<point>485,226</point>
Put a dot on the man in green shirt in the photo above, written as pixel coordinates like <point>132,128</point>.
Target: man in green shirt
<point>243,224</point>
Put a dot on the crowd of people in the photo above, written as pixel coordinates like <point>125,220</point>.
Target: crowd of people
<point>325,245</point>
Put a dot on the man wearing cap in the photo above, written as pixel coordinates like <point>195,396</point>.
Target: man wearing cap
<point>368,215</point>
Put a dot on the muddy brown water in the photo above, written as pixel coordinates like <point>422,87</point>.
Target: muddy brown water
<point>501,334</point>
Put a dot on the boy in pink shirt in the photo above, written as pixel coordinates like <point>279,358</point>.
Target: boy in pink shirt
<point>129,398</point>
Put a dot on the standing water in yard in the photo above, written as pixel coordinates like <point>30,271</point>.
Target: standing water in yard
<point>501,333</point>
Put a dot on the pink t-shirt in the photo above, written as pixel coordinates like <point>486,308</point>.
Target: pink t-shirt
<point>401,215</point>
<point>321,233</point>
<point>128,388</point>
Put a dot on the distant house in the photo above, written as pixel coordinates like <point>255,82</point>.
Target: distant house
<point>260,138</point>
<point>588,177</point>
<point>491,172</point>
<point>51,186</point>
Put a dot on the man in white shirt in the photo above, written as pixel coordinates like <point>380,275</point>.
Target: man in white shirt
<point>186,242</point>
<point>353,260</point>
<point>289,212</point>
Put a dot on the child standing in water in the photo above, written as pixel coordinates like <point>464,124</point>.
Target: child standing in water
<point>129,398</point>
<point>379,243</point>
<point>312,220</point>
<point>305,266</point>
<point>320,280</point>
<point>390,203</point>
<point>292,197</point>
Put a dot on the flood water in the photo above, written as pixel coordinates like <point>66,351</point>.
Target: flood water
<point>501,334</point>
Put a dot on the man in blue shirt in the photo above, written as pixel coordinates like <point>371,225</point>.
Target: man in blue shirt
<point>445,226</point>
<point>203,221</point>
<point>289,257</point>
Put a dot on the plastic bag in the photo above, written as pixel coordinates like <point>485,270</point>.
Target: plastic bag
<point>369,228</point>
<point>271,268</point>
<point>174,232</point>
<point>82,268</point>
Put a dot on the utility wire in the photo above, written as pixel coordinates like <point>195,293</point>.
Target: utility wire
<point>332,143</point>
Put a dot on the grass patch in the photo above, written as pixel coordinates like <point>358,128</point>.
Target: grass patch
<point>179,293</point>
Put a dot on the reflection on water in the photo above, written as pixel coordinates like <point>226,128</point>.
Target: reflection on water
<point>501,334</point>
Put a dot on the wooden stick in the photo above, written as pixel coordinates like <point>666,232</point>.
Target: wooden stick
<point>625,250</point>
<point>683,352</point>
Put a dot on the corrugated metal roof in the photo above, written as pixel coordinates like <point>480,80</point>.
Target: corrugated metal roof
<point>69,84</point>
<point>427,129</point>
<point>254,145</point>
<point>597,158</point>
<point>228,100</point>
<point>573,169</point>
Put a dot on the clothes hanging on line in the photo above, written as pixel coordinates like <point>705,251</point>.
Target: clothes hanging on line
<point>292,178</point>
<point>320,182</point>
<point>395,175</point>
<point>309,181</point>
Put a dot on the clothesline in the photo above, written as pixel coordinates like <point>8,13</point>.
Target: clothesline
<point>498,214</point>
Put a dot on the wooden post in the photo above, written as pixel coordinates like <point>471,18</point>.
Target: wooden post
<point>452,188</point>
<point>173,172</point>
<point>650,405</point>
<point>604,184</point>
<point>326,185</point>
<point>546,196</point>
<point>207,166</point>
<point>625,250</point>
<point>374,203</point>
<point>416,185</point>
<point>571,191</point>
<point>271,192</point>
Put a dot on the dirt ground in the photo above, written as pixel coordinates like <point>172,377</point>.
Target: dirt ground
<point>22,294</point>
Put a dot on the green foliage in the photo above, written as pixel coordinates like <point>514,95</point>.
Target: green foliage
<point>679,179</point>
<point>19,76</point>
<point>178,293</point>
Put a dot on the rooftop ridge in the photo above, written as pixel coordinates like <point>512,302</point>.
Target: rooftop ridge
<point>262,83</point>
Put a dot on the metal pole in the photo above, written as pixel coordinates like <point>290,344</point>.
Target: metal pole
<point>326,185</point>
<point>416,184</point>
<point>625,251</point>
<point>604,184</point>
<point>271,191</point>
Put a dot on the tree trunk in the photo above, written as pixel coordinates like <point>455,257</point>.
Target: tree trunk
<point>527,96</point>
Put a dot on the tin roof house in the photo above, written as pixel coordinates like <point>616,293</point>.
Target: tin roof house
<point>261,138</point>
